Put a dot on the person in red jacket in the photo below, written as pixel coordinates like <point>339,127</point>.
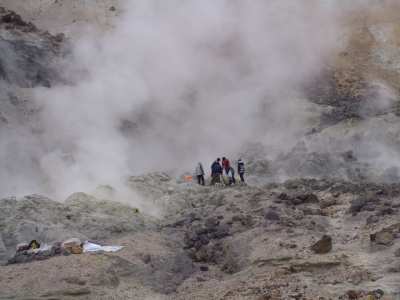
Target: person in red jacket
<point>229,171</point>
<point>226,165</point>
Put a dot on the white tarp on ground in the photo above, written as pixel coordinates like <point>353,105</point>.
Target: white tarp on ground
<point>91,247</point>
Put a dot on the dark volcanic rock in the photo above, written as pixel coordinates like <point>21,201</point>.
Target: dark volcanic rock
<point>245,220</point>
<point>386,211</point>
<point>325,203</point>
<point>28,54</point>
<point>324,245</point>
<point>352,295</point>
<point>11,18</point>
<point>357,205</point>
<point>302,198</point>
<point>363,203</point>
<point>204,268</point>
<point>397,253</point>
<point>271,215</point>
<point>211,224</point>
<point>372,219</point>
<point>222,231</point>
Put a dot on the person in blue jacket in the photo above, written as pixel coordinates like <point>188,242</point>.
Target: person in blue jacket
<point>216,171</point>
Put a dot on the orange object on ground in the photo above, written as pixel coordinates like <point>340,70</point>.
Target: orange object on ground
<point>188,178</point>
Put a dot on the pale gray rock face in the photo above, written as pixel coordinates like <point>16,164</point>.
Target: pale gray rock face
<point>28,54</point>
<point>68,16</point>
<point>3,250</point>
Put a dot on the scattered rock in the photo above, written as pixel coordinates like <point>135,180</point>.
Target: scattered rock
<point>67,292</point>
<point>353,295</point>
<point>385,211</point>
<point>12,17</point>
<point>324,245</point>
<point>310,211</point>
<point>271,215</point>
<point>304,198</point>
<point>383,237</point>
<point>203,268</point>
<point>146,258</point>
<point>309,266</point>
<point>244,220</point>
<point>372,219</point>
<point>394,268</point>
<point>358,276</point>
<point>357,205</point>
<point>77,292</point>
<point>221,232</point>
<point>75,280</point>
<point>397,253</point>
<point>325,203</point>
<point>283,196</point>
<point>211,224</point>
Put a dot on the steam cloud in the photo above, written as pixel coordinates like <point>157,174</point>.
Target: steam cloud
<point>176,82</point>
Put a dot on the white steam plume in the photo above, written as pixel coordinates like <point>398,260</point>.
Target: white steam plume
<point>181,81</point>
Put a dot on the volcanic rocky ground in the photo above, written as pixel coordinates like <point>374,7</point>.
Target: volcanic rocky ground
<point>241,242</point>
<point>330,231</point>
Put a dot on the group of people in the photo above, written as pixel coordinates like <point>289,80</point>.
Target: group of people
<point>218,168</point>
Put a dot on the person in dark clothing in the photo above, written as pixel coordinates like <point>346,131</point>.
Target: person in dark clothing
<point>241,170</point>
<point>216,172</point>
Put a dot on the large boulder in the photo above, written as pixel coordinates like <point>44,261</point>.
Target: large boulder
<point>383,237</point>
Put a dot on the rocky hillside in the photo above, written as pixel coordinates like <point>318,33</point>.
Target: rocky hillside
<point>305,239</point>
<point>27,52</point>
<point>321,221</point>
<point>69,17</point>
<point>29,59</point>
<point>357,95</point>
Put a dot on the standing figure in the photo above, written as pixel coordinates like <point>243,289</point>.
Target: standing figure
<point>240,169</point>
<point>226,165</point>
<point>200,173</point>
<point>216,172</point>
<point>231,176</point>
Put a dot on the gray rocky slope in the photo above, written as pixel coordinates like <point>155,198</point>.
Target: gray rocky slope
<point>321,238</point>
<point>28,59</point>
<point>214,243</point>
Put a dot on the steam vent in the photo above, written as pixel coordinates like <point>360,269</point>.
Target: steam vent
<point>199,150</point>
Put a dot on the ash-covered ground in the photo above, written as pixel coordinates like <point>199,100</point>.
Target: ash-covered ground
<point>241,242</point>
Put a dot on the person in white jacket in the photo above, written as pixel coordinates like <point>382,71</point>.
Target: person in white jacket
<point>199,172</point>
